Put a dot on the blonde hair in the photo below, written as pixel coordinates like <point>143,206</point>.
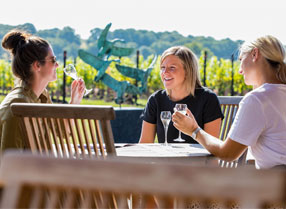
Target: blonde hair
<point>190,64</point>
<point>272,50</point>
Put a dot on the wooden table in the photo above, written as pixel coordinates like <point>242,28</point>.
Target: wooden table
<point>174,152</point>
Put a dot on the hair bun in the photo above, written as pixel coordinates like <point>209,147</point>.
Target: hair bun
<point>13,40</point>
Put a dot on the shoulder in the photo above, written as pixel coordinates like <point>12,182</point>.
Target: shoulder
<point>203,91</point>
<point>265,93</point>
<point>158,95</point>
<point>205,94</point>
<point>16,95</point>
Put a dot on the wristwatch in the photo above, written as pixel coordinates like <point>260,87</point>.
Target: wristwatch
<point>194,134</point>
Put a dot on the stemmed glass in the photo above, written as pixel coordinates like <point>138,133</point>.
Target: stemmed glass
<point>71,71</point>
<point>166,118</point>
<point>182,108</point>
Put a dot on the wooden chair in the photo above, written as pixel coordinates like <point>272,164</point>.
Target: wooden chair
<point>66,130</point>
<point>47,182</point>
<point>229,107</point>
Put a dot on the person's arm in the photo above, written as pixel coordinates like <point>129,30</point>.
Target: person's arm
<point>228,150</point>
<point>148,132</point>
<point>213,127</point>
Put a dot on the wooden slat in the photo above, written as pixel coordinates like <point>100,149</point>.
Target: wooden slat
<point>36,134</point>
<point>37,200</point>
<point>74,136</point>
<point>86,202</point>
<point>122,200</point>
<point>48,136</point>
<point>229,100</point>
<point>12,201</point>
<point>54,134</point>
<point>53,199</point>
<point>29,133</point>
<point>60,137</point>
<point>87,140</point>
<point>69,200</point>
<point>80,137</point>
<point>107,134</point>
<point>225,122</point>
<point>93,136</point>
<point>231,117</point>
<point>43,140</point>
<point>99,137</point>
<point>62,110</point>
<point>67,135</point>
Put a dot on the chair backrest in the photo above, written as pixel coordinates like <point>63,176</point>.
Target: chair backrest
<point>66,130</point>
<point>45,182</point>
<point>126,127</point>
<point>229,107</point>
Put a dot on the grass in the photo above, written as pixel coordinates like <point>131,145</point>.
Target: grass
<point>141,102</point>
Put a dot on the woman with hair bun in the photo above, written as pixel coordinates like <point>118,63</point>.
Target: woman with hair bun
<point>260,122</point>
<point>34,66</point>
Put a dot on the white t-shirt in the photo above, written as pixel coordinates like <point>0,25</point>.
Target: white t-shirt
<point>261,124</point>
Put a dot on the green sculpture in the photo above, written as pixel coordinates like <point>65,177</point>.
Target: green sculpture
<point>120,87</point>
<point>137,74</point>
<point>108,47</point>
<point>100,62</point>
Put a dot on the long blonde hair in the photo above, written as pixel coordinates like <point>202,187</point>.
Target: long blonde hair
<point>272,50</point>
<point>190,63</point>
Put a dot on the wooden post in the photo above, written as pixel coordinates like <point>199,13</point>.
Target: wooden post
<point>205,66</point>
<point>137,66</point>
<point>232,74</point>
<point>64,78</point>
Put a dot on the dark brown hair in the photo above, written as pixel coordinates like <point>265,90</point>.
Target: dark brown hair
<point>25,50</point>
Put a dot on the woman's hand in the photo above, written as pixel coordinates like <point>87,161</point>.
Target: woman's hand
<point>77,91</point>
<point>185,123</point>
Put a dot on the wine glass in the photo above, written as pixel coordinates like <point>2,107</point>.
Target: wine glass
<point>182,108</point>
<point>71,71</point>
<point>166,118</point>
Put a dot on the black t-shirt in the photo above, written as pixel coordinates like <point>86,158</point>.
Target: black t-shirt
<point>204,106</point>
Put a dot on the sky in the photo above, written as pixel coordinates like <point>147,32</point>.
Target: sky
<point>234,19</point>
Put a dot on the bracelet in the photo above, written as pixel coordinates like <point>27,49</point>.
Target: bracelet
<point>194,134</point>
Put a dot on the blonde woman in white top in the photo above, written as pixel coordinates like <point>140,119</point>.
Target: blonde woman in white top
<point>260,123</point>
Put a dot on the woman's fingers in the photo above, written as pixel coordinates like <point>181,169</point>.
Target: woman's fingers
<point>77,91</point>
<point>189,112</point>
<point>176,117</point>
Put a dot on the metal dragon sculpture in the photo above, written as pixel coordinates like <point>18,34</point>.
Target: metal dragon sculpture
<point>101,63</point>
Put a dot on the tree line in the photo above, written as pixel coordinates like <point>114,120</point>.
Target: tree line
<point>147,42</point>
